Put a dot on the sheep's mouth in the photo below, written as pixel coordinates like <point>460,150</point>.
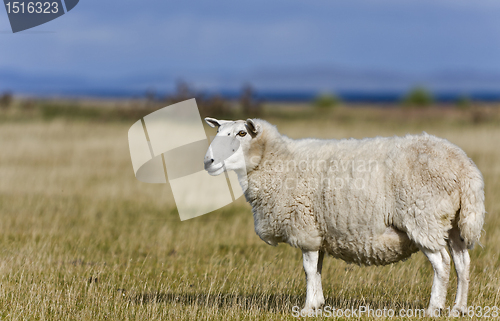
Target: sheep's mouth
<point>216,169</point>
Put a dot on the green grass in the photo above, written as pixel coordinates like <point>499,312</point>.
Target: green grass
<point>82,239</point>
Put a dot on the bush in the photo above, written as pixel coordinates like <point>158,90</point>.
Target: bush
<point>463,102</point>
<point>250,105</point>
<point>209,105</point>
<point>324,101</point>
<point>6,100</point>
<point>419,97</point>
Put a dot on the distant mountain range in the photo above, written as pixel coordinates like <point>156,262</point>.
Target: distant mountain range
<point>270,83</point>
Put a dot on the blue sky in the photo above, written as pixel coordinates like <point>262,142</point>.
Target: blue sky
<point>219,42</point>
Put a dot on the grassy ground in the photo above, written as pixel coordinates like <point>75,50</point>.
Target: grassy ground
<point>82,239</point>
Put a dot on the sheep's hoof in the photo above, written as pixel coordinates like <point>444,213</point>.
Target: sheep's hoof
<point>310,309</point>
<point>458,311</point>
<point>307,312</point>
<point>433,312</point>
<point>310,312</point>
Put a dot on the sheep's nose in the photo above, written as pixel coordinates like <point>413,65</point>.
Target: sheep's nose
<point>208,161</point>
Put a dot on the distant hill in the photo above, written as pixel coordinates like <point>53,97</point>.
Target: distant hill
<point>297,84</point>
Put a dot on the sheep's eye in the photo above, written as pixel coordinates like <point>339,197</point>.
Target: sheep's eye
<point>242,133</point>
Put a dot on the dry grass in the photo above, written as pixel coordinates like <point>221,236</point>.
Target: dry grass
<point>82,239</point>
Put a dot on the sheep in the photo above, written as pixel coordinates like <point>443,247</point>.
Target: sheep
<point>373,201</point>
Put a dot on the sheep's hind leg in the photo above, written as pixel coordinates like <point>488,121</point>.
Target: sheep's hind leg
<point>313,262</point>
<point>461,258</point>
<point>440,261</point>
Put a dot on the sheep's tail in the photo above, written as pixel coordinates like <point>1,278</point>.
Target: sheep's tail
<point>471,217</point>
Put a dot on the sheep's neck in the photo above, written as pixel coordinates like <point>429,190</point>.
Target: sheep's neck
<point>272,152</point>
<point>242,179</point>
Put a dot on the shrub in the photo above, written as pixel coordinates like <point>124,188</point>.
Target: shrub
<point>463,102</point>
<point>324,101</point>
<point>418,97</point>
<point>209,105</point>
<point>6,100</point>
<point>250,105</point>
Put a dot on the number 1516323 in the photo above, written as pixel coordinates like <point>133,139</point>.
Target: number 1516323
<point>32,7</point>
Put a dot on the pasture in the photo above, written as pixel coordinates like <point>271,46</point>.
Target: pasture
<point>82,239</point>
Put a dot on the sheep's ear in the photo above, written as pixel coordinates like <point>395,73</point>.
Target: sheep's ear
<point>252,127</point>
<point>212,122</point>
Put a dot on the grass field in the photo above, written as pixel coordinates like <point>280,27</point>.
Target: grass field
<point>82,239</point>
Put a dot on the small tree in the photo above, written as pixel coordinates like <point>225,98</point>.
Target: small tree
<point>6,100</point>
<point>326,101</point>
<point>463,102</point>
<point>209,105</point>
<point>250,106</point>
<point>213,106</point>
<point>419,97</point>
<point>150,96</point>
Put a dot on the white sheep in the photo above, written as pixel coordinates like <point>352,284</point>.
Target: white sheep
<point>370,201</point>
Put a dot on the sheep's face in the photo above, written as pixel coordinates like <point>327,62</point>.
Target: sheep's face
<point>229,148</point>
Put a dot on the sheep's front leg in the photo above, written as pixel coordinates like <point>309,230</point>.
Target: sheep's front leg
<point>313,262</point>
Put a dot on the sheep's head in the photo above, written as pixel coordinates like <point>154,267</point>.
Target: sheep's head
<point>234,146</point>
